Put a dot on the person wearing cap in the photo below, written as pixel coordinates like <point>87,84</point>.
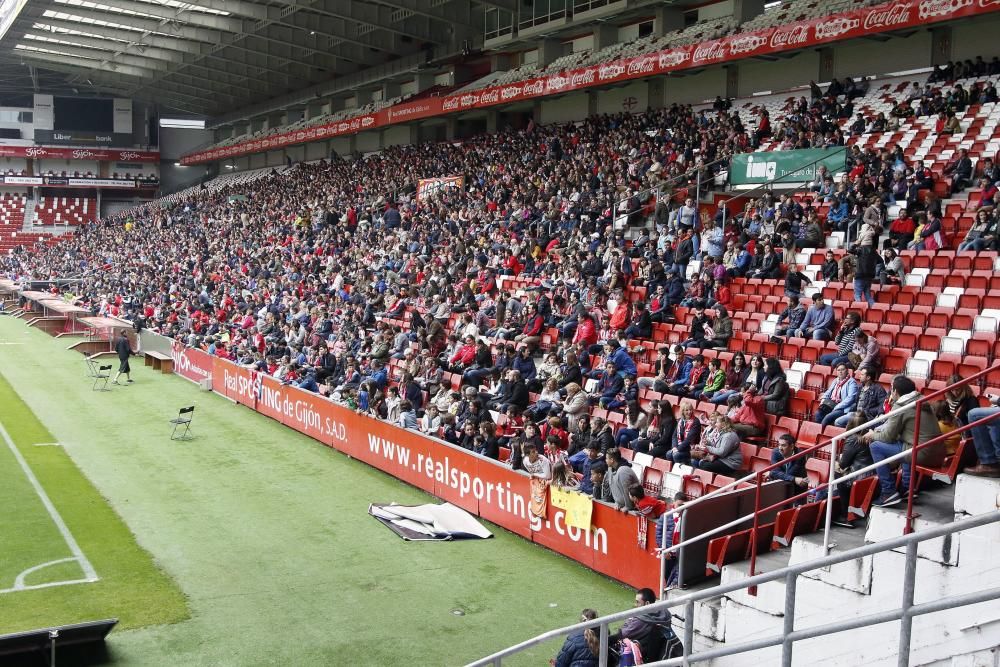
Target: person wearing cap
<point>818,322</point>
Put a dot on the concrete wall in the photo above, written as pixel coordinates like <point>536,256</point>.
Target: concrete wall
<point>396,135</point>
<point>865,57</point>
<point>976,38</point>
<point>717,10</point>
<point>367,142</point>
<point>760,76</point>
<point>633,98</point>
<point>564,109</point>
<point>317,150</point>
<point>297,153</point>
<point>690,89</point>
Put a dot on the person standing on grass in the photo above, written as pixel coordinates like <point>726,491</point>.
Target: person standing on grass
<point>124,350</point>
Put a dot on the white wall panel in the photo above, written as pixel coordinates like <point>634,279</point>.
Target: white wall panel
<point>633,98</point>
<point>564,109</point>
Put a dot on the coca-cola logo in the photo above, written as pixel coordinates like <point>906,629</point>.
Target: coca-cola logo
<point>884,17</point>
<point>490,96</point>
<point>710,51</point>
<point>675,58</point>
<point>835,27</point>
<point>450,104</point>
<point>587,76</point>
<point>510,92</point>
<point>367,121</point>
<point>745,44</point>
<point>128,155</point>
<point>534,88</point>
<point>931,8</point>
<point>642,66</point>
<point>35,152</point>
<point>988,3</point>
<point>610,71</point>
<point>793,36</point>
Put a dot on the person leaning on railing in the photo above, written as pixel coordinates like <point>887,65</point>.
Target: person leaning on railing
<point>897,434</point>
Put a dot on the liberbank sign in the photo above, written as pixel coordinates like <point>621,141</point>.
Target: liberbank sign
<point>798,35</point>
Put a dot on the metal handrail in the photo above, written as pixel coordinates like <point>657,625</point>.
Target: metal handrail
<point>789,574</point>
<point>757,479</point>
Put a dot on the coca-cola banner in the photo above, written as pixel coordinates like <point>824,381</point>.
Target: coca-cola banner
<point>99,154</point>
<point>797,35</point>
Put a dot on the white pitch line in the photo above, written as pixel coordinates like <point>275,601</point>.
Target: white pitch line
<point>88,570</point>
<point>48,444</point>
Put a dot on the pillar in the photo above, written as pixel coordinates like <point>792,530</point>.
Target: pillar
<point>827,65</point>
<point>500,62</point>
<point>492,119</point>
<point>591,103</point>
<point>605,35</point>
<point>941,42</point>
<point>390,90</point>
<point>667,19</point>
<point>549,50</point>
<point>656,91</point>
<point>450,129</point>
<point>422,81</point>
<point>732,81</point>
<point>744,10</point>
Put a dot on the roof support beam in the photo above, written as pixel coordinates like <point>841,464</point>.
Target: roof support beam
<point>108,47</point>
<point>382,17</point>
<point>140,23</point>
<point>132,37</point>
<point>183,16</point>
<point>126,70</point>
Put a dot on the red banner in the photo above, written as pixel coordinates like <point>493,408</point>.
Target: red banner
<point>481,486</point>
<point>99,154</point>
<point>191,363</point>
<point>797,35</point>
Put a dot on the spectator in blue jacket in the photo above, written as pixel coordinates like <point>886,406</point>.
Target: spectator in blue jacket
<point>581,649</point>
<point>840,398</point>
<point>794,471</point>
<point>524,364</point>
<point>871,398</point>
<point>818,323</point>
<point>682,376</point>
<point>609,384</point>
<point>620,357</point>
<point>582,462</point>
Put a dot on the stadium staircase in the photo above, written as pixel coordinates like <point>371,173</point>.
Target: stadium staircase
<point>804,607</point>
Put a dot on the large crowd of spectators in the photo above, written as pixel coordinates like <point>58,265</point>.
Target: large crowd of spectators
<point>334,277</point>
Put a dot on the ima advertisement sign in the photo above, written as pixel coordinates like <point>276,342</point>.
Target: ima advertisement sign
<point>479,485</point>
<point>791,167</point>
<point>788,37</point>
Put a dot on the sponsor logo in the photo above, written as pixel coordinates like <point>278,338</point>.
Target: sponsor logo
<point>534,88</point>
<point>450,104</point>
<point>988,3</point>
<point>367,121</point>
<point>835,27</point>
<point>587,76</point>
<point>510,92</point>
<point>896,14</point>
<point>710,51</point>
<point>930,8</point>
<point>128,155</point>
<point>36,152</point>
<point>557,82</point>
<point>642,66</point>
<point>674,58</point>
<point>790,36</point>
<point>468,100</point>
<point>491,96</point>
<point>745,44</point>
<point>610,71</point>
<point>80,154</point>
<point>764,170</point>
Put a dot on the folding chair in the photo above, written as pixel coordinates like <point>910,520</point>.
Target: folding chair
<point>184,417</point>
<point>91,366</point>
<point>101,378</point>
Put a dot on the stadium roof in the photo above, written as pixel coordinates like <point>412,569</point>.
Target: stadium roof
<point>213,56</point>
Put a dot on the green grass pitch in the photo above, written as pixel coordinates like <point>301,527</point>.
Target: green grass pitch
<point>249,545</point>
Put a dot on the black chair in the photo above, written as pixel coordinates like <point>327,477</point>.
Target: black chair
<point>184,418</point>
<point>91,366</point>
<point>101,378</point>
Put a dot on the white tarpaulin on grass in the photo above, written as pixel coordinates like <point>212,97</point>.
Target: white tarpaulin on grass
<point>429,522</point>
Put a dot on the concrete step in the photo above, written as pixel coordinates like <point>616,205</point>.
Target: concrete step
<point>933,508</point>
